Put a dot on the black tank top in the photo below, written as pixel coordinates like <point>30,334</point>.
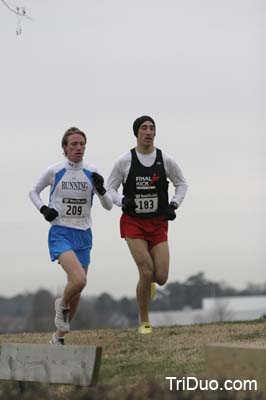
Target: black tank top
<point>148,186</point>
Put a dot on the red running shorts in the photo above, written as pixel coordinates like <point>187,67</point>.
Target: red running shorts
<point>153,230</point>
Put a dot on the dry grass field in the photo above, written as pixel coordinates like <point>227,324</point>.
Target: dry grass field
<point>134,367</point>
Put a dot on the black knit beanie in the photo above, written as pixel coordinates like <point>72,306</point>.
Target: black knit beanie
<point>139,121</point>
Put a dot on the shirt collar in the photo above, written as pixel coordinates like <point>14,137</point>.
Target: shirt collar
<point>75,166</point>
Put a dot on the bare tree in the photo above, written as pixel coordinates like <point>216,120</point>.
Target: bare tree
<point>19,11</point>
<point>221,311</point>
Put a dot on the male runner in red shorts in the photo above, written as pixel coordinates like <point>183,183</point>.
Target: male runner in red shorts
<point>143,171</point>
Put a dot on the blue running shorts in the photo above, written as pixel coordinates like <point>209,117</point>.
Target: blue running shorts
<point>62,238</point>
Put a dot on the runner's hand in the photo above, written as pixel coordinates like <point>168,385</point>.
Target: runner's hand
<point>98,182</point>
<point>49,213</point>
<point>128,205</point>
<point>169,212</point>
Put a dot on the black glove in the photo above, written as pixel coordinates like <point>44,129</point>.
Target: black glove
<point>49,213</point>
<point>98,182</point>
<point>169,211</point>
<point>128,205</point>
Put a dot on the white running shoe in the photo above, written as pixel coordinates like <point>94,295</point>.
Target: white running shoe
<point>61,316</point>
<point>57,340</point>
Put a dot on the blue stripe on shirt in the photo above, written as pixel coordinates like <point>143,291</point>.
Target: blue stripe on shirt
<point>88,173</point>
<point>59,175</point>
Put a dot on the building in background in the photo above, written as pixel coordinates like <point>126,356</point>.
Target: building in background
<point>214,309</point>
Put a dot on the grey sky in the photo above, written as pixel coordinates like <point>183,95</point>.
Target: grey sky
<point>198,68</point>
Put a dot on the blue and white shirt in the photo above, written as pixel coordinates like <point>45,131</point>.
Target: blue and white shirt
<point>71,193</point>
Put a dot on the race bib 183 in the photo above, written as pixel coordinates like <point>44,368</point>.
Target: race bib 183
<point>146,204</point>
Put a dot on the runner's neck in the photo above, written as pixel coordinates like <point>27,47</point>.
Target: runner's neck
<point>145,149</point>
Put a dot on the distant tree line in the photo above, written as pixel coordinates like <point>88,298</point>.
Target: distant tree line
<point>35,312</point>
<point>190,294</point>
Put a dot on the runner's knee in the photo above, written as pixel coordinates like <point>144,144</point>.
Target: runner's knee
<point>146,273</point>
<point>79,283</point>
<point>161,278</point>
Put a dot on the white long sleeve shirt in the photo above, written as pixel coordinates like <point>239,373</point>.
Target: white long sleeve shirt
<point>71,193</point>
<point>121,169</point>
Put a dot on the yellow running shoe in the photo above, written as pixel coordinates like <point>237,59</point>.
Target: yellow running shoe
<point>145,328</point>
<point>152,290</point>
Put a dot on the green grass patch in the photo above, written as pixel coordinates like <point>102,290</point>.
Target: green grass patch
<point>133,366</point>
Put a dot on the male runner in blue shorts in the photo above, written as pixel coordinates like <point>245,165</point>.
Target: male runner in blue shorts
<point>143,172</point>
<point>72,183</point>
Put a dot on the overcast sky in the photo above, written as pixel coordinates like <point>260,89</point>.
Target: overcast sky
<point>198,68</point>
